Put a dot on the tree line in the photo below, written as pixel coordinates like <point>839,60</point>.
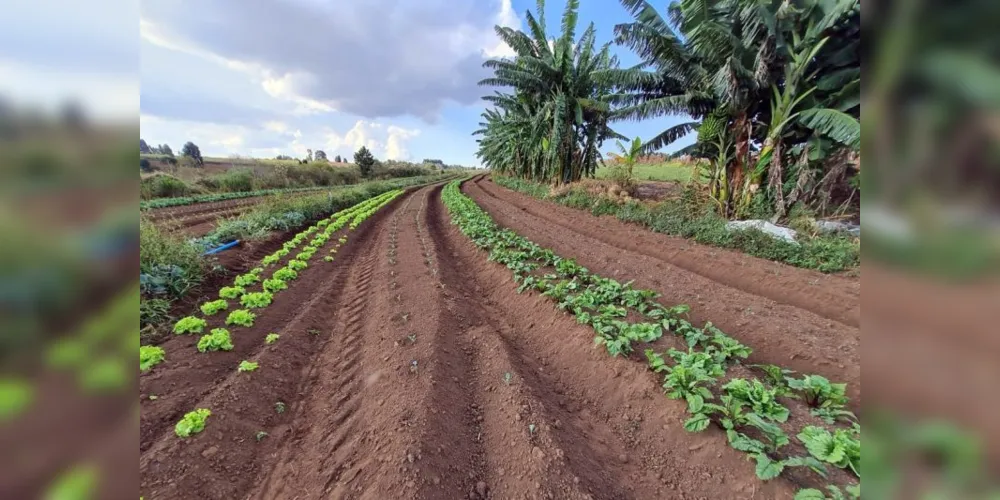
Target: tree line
<point>772,89</point>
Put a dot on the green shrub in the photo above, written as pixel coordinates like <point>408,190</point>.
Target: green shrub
<point>163,186</point>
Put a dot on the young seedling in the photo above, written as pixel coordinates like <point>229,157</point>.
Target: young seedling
<point>192,423</point>
<point>328,258</point>
<point>153,397</point>
<point>247,366</point>
<point>190,324</point>
<point>507,377</point>
<point>413,366</point>
<point>260,435</point>
<point>412,338</point>
<point>213,307</point>
<point>150,356</point>
<point>271,338</point>
<point>279,407</point>
<point>312,331</point>
<point>531,430</point>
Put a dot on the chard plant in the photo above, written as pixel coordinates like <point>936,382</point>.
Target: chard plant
<point>217,340</point>
<point>689,377</point>
<point>192,423</point>
<point>241,317</point>
<point>833,492</point>
<point>840,448</point>
<point>758,397</point>
<point>231,292</point>
<point>827,400</point>
<point>190,324</point>
<point>213,307</point>
<point>150,356</point>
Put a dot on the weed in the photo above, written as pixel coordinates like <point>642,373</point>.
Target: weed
<point>313,331</point>
<point>507,378</point>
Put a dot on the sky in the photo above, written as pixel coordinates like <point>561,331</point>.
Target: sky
<point>267,77</point>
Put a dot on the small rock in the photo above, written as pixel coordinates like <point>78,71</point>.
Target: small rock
<point>517,417</point>
<point>409,457</point>
<point>436,480</point>
<point>576,480</point>
<point>211,450</point>
<point>481,489</point>
<point>623,458</point>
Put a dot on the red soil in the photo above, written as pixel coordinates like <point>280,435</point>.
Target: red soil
<point>403,392</point>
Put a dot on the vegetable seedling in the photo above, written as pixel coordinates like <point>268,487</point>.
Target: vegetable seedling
<point>192,423</point>
<point>247,366</point>
<point>217,340</point>
<point>213,307</point>
<point>150,356</point>
<point>241,317</point>
<point>507,377</point>
<point>190,324</point>
<point>271,338</point>
<point>279,407</point>
<point>260,435</point>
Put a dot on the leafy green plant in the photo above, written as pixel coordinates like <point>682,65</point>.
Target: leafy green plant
<point>241,317</point>
<point>245,280</point>
<point>231,292</point>
<point>724,348</point>
<point>776,377</point>
<point>271,338</point>
<point>328,259</point>
<point>758,397</point>
<point>260,435</point>
<point>853,492</point>
<point>297,265</point>
<point>192,423</point>
<point>689,377</point>
<point>279,407</point>
<point>213,307</point>
<point>839,448</point>
<point>150,356</point>
<point>826,399</point>
<point>190,324</point>
<point>256,300</point>
<point>285,274</point>
<point>247,366</point>
<point>306,255</point>
<point>217,340</point>
<point>274,285</point>
<point>270,260</point>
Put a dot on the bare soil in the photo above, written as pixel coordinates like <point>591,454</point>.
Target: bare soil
<point>410,368</point>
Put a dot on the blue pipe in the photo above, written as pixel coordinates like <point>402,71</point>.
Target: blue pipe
<point>227,246</point>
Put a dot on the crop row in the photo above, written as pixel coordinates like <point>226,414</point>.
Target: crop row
<point>748,402</point>
<point>245,288</point>
<point>208,198</point>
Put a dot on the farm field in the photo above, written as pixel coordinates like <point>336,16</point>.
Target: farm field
<point>381,353</point>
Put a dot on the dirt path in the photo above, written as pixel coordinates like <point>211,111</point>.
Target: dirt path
<point>429,377</point>
<point>773,323</point>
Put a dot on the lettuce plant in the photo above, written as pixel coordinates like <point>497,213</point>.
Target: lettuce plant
<point>247,366</point>
<point>190,324</point>
<point>241,317</point>
<point>274,285</point>
<point>271,338</point>
<point>246,280</point>
<point>217,340</point>
<point>285,274</point>
<point>192,423</point>
<point>150,356</point>
<point>297,265</point>
<point>213,307</point>
<point>256,300</point>
<point>231,292</point>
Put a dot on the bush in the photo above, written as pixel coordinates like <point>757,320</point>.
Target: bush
<point>163,186</point>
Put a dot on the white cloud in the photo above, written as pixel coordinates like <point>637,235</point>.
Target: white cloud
<point>388,142</point>
<point>103,96</point>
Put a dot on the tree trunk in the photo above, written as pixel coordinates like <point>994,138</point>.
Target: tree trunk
<point>776,180</point>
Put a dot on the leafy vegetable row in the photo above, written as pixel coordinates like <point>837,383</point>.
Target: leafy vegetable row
<point>749,410</point>
<point>208,198</point>
<point>219,339</point>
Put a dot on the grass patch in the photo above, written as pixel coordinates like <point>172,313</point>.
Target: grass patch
<point>689,218</point>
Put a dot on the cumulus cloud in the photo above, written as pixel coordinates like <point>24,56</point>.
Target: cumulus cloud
<point>384,142</point>
<point>370,58</point>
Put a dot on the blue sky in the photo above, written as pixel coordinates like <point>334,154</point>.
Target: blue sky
<point>275,77</point>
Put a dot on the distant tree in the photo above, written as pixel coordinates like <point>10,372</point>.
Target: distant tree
<point>192,151</point>
<point>144,165</point>
<point>309,155</point>
<point>338,159</point>
<point>365,161</point>
<point>164,149</point>
<point>320,155</point>
<point>144,148</point>
<point>72,114</point>
<point>283,157</point>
